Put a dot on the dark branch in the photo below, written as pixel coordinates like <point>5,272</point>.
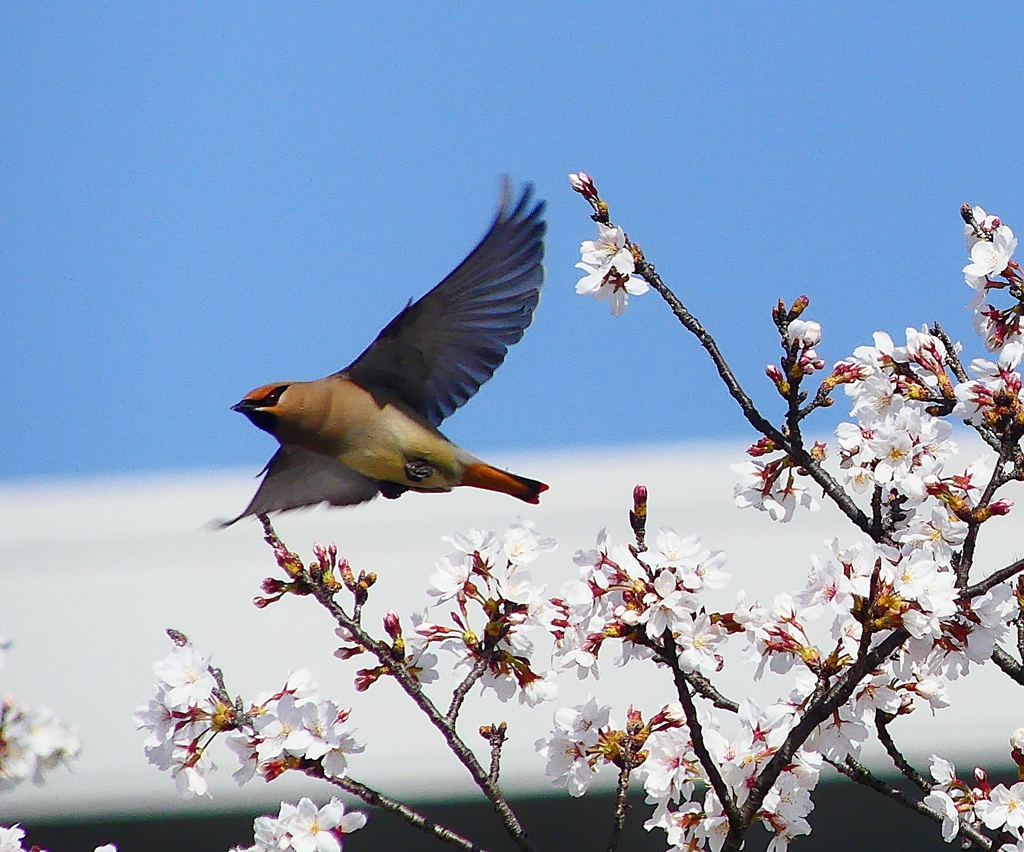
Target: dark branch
<point>621,807</point>
<point>796,451</point>
<point>862,775</point>
<point>1011,668</point>
<point>737,822</point>
<point>992,580</point>
<point>379,800</point>
<point>899,761</point>
<point>462,690</point>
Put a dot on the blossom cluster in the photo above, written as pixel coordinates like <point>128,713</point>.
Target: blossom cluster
<point>672,771</point>
<point>607,262</point>
<point>585,738</point>
<point>637,597</point>
<point>996,807</point>
<point>11,838</point>
<point>292,728</point>
<point>33,741</point>
<point>991,245</point>
<point>496,608</point>
<point>305,828</point>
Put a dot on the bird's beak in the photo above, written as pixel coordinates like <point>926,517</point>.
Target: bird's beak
<point>244,406</point>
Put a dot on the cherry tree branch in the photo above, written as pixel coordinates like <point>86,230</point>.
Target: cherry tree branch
<point>862,775</point>
<point>323,586</point>
<point>736,818</point>
<point>413,817</point>
<point>456,744</point>
<point>991,581</point>
<point>793,448</point>
<point>462,690</point>
<point>820,708</point>
<point>621,806</point>
<point>1010,667</point>
<point>899,761</point>
<point>495,736</point>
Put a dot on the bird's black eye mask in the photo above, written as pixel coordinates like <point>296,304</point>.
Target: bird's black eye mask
<point>254,407</point>
<point>272,398</point>
<point>268,400</point>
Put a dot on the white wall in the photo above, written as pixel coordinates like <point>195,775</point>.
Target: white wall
<point>91,573</point>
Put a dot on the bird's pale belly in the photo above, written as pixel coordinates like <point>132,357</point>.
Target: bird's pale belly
<point>404,452</point>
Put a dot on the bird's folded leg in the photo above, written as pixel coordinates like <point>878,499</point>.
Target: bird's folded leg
<point>417,470</point>
<point>391,490</point>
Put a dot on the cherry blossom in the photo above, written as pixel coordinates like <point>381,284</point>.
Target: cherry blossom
<point>990,257</point>
<point>305,828</point>
<point>609,266</point>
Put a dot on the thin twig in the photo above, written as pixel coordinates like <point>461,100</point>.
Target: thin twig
<point>621,807</point>
<point>952,359</point>
<point>462,690</point>
<point>1011,668</point>
<point>862,775</point>
<point>993,580</point>
<point>703,687</point>
<point>698,682</point>
<point>700,748</point>
<point>996,481</point>
<point>411,686</point>
<point>645,269</point>
<point>899,761</point>
<point>495,736</point>
<point>416,819</point>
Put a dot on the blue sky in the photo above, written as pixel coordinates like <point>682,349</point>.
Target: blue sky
<point>200,198</point>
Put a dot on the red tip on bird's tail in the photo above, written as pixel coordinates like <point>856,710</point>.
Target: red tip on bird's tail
<point>482,475</point>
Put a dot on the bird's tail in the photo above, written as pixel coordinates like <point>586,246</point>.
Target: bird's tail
<point>480,475</point>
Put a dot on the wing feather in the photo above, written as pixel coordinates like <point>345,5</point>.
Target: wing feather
<point>439,350</point>
<point>296,477</point>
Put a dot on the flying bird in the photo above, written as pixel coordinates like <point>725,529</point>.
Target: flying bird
<point>372,428</point>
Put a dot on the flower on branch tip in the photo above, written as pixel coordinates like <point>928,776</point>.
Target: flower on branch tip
<point>772,487</point>
<point>803,334</point>
<point>943,804</point>
<point>32,743</point>
<point>584,185</point>
<point>609,266</point>
<point>994,397</point>
<point>1004,808</point>
<point>990,257</point>
<point>570,762</point>
<point>305,828</point>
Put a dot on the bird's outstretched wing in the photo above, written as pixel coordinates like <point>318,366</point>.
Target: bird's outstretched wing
<point>438,351</point>
<point>296,477</point>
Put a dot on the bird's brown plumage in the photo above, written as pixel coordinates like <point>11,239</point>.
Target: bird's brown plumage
<point>372,427</point>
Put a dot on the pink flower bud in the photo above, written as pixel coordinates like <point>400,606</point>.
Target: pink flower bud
<point>634,719</point>
<point>761,448</point>
<point>640,494</point>
<point>584,185</point>
<point>392,625</point>
<point>177,637</point>
<point>1000,507</point>
<point>981,776</point>
<point>674,714</point>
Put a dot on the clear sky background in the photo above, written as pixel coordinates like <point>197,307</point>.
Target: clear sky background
<point>196,199</point>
